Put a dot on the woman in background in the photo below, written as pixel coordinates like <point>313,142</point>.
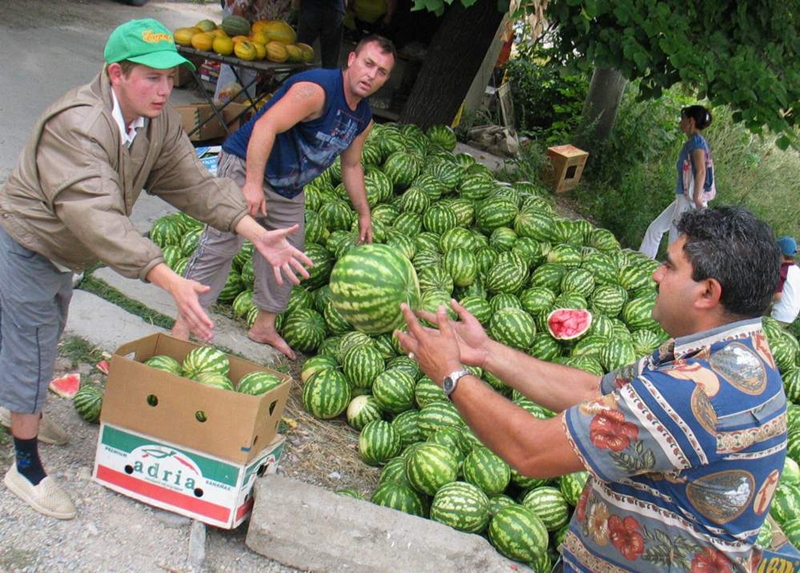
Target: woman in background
<point>695,186</point>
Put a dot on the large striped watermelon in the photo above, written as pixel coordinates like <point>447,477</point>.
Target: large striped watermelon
<point>368,284</point>
<point>215,380</point>
<point>88,401</point>
<point>462,506</point>
<point>550,505</point>
<point>362,410</point>
<point>401,497</point>
<point>361,365</point>
<point>205,359</point>
<point>513,327</point>
<point>326,394</point>
<point>393,390</point>
<point>487,471</point>
<point>378,442</point>
<point>304,329</point>
<point>258,382</point>
<point>429,466</point>
<point>165,363</point>
<point>518,533</point>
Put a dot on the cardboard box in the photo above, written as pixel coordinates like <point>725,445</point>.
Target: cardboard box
<point>224,433</point>
<point>156,472</point>
<point>567,163</point>
<point>194,114</point>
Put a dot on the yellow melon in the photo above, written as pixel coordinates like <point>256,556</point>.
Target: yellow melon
<point>280,31</point>
<point>202,41</point>
<point>223,45</point>
<point>218,33</point>
<point>307,52</point>
<point>261,51</point>
<point>276,52</point>
<point>259,38</point>
<point>183,36</point>
<point>245,50</point>
<point>258,26</point>
<point>294,53</point>
<point>237,39</point>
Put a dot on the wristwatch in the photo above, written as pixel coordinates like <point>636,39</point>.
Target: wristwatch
<point>451,381</point>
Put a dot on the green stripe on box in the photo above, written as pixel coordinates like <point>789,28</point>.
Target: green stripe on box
<point>212,469</point>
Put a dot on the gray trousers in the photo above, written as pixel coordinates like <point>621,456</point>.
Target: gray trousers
<point>211,262</point>
<point>34,302</point>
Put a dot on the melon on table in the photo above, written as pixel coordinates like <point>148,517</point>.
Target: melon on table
<point>568,323</point>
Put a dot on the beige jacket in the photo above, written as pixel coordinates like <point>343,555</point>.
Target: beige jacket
<point>71,194</point>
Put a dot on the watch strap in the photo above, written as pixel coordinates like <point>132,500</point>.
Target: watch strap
<point>454,377</point>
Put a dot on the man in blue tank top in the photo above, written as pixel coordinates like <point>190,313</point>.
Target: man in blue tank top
<point>312,119</point>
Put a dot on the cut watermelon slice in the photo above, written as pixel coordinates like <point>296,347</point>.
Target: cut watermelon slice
<point>66,386</point>
<point>568,323</point>
<point>102,366</point>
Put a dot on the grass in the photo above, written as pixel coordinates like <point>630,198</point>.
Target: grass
<point>79,350</point>
<point>109,293</point>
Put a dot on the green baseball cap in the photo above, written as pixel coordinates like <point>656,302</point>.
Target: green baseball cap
<point>145,42</point>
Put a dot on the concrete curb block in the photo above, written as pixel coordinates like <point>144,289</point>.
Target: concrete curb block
<point>310,528</point>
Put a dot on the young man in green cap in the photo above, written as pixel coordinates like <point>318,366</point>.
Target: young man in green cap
<point>66,205</point>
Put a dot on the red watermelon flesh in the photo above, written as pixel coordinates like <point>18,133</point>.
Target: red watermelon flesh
<point>67,385</point>
<point>568,323</point>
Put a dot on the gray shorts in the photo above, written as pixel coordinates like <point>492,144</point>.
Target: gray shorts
<point>211,262</point>
<point>34,298</point>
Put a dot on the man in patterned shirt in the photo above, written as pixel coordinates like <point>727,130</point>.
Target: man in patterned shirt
<point>685,447</point>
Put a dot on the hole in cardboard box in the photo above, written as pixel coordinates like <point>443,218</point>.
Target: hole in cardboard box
<point>262,469</point>
<point>198,492</point>
<point>129,469</point>
<point>152,400</point>
<point>255,440</point>
<point>201,416</point>
<point>272,407</point>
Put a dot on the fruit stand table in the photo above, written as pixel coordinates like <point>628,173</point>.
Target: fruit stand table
<point>263,69</point>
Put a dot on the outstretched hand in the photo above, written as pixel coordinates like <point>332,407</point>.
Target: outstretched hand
<point>284,258</point>
<point>436,351</point>
<point>186,293</point>
<point>473,342</point>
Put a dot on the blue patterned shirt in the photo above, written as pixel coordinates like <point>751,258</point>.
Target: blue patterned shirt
<point>685,449</point>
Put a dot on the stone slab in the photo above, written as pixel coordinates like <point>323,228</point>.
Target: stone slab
<point>313,529</point>
<point>104,324</point>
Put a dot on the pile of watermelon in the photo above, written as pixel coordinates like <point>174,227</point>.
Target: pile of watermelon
<point>561,290</point>
<point>210,366</point>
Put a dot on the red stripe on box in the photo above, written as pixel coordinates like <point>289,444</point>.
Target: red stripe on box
<point>163,494</point>
<point>244,509</point>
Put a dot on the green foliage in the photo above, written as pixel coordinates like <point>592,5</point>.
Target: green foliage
<point>78,350</point>
<point>470,119</point>
<point>547,98</point>
<point>632,177</point>
<point>103,290</point>
<point>733,53</point>
<point>438,6</point>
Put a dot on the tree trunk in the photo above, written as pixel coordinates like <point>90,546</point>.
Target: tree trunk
<point>601,105</point>
<point>454,56</point>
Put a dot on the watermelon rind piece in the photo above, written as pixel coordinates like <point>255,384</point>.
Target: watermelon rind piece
<point>66,386</point>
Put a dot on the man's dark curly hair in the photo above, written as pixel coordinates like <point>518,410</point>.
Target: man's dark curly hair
<point>730,245</point>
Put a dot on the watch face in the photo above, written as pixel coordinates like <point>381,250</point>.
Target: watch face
<point>448,385</point>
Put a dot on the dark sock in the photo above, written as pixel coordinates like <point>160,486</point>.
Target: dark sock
<point>28,462</point>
